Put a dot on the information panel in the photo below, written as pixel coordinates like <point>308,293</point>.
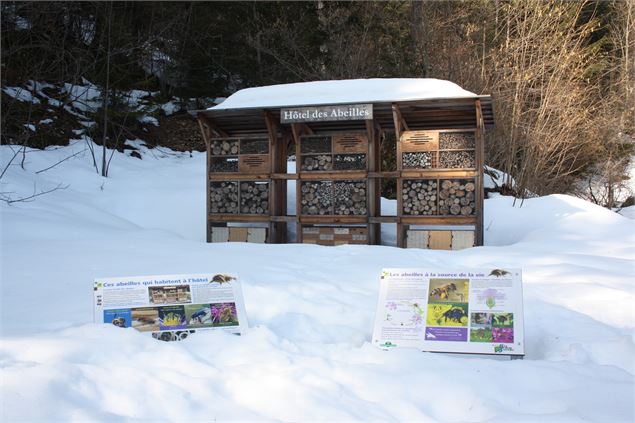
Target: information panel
<point>476,311</point>
<point>171,306</point>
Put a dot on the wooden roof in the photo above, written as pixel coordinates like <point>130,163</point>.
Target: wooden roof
<point>454,113</point>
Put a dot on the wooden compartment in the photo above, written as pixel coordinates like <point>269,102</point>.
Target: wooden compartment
<point>438,197</point>
<point>350,143</point>
<point>253,163</point>
<point>457,197</point>
<point>239,155</point>
<point>223,164</point>
<point>437,150</point>
<point>334,197</point>
<point>223,197</point>
<point>239,197</point>
<point>440,239</point>
<point>420,141</point>
<point>254,197</point>
<point>334,235</point>
<point>333,153</point>
<point>419,197</point>
<point>455,140</point>
<point>238,234</point>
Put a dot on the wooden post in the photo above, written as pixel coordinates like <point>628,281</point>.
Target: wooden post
<point>397,121</point>
<point>208,226</point>
<point>274,187</point>
<point>480,163</point>
<point>296,131</point>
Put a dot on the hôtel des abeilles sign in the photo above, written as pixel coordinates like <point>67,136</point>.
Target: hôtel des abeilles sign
<point>326,113</point>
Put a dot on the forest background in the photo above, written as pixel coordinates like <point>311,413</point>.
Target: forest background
<point>561,73</point>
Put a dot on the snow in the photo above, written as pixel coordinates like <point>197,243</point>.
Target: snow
<point>170,107</point>
<point>149,119</point>
<point>307,354</point>
<point>30,126</point>
<point>344,91</point>
<point>46,121</point>
<point>85,97</point>
<point>21,94</point>
<point>628,212</point>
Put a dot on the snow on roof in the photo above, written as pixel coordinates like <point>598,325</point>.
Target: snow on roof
<point>344,91</point>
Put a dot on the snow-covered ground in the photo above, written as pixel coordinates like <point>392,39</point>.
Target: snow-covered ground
<point>307,354</point>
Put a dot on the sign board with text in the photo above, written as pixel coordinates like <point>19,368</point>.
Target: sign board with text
<point>475,311</point>
<point>171,303</point>
<point>326,113</point>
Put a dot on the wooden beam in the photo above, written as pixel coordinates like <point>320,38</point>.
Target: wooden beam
<point>213,127</point>
<point>403,122</point>
<point>396,121</point>
<point>296,130</point>
<point>272,125</point>
<point>203,131</point>
<point>307,129</point>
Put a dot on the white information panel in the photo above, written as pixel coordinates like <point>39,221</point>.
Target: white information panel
<point>475,311</point>
<point>171,306</point>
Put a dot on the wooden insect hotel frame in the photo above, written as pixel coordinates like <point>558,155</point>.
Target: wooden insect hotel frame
<point>439,171</point>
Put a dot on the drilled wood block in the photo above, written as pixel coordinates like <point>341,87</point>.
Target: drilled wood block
<point>417,239</point>
<point>440,240</point>
<point>257,235</point>
<point>220,234</point>
<point>237,234</point>
<point>462,239</point>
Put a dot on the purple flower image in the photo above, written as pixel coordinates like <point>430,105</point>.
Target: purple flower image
<point>224,314</point>
<point>391,306</point>
<point>504,335</point>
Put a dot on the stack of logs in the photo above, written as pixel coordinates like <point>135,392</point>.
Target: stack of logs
<point>224,197</point>
<point>421,160</point>
<point>254,198</point>
<point>456,159</point>
<point>419,196</point>
<point>224,147</point>
<point>320,162</point>
<point>317,198</point>
<point>350,198</point>
<point>456,140</point>
<point>456,197</point>
<point>338,197</point>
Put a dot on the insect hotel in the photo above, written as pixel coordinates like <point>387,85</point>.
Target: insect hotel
<point>336,130</point>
